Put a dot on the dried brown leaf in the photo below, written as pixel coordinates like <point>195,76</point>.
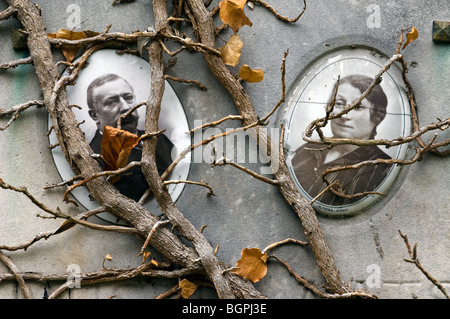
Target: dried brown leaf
<point>252,265</point>
<point>145,255</point>
<point>231,51</point>
<point>69,51</point>
<point>232,13</point>
<point>187,288</point>
<point>251,75</point>
<point>411,36</point>
<point>116,147</point>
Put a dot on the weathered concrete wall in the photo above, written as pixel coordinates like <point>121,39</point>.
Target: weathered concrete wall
<point>245,212</point>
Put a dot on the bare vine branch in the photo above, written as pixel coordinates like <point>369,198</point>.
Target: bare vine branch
<point>16,110</point>
<point>413,259</point>
<point>276,14</point>
<point>23,285</point>
<point>13,64</point>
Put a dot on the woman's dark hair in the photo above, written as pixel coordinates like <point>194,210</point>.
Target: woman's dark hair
<point>377,97</point>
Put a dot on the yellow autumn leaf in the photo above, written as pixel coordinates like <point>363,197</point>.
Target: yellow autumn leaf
<point>145,255</point>
<point>251,75</point>
<point>154,263</point>
<point>187,288</point>
<point>411,36</point>
<point>252,264</point>
<point>232,14</point>
<point>231,51</point>
<point>69,51</point>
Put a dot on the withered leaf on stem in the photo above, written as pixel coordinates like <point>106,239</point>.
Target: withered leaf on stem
<point>232,14</point>
<point>116,148</point>
<point>187,288</point>
<point>69,51</point>
<point>231,51</point>
<point>411,36</point>
<point>252,265</point>
<point>251,75</point>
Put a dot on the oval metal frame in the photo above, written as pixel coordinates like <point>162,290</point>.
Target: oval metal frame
<point>135,70</point>
<point>307,103</point>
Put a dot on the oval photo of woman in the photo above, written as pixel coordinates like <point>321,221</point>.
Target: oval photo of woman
<point>383,114</point>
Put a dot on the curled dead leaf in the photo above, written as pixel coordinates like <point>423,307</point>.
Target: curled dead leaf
<point>116,147</point>
<point>231,51</point>
<point>187,288</point>
<point>69,51</point>
<point>252,265</point>
<point>232,14</point>
<point>411,36</point>
<point>154,263</point>
<point>251,75</point>
<point>145,255</point>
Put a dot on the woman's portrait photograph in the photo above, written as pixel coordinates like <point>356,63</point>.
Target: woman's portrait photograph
<point>340,80</point>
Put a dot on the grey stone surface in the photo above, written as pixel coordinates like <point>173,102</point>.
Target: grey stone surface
<point>245,212</point>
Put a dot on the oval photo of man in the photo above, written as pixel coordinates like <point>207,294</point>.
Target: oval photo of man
<point>111,86</point>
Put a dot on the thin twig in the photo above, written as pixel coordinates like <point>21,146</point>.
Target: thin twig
<point>283,88</point>
<point>334,184</point>
<point>215,123</point>
<point>58,213</point>
<point>173,78</point>
<point>169,292</point>
<point>113,276</point>
<point>7,13</point>
<point>13,64</point>
<point>174,53</point>
<point>128,113</point>
<point>16,110</point>
<point>190,148</point>
<point>393,161</point>
<point>116,172</point>
<point>64,183</point>
<point>150,234</point>
<point>279,16</point>
<point>414,260</point>
<point>226,161</point>
<point>310,286</point>
<point>284,242</point>
<point>23,285</point>
<point>337,141</point>
<point>210,193</point>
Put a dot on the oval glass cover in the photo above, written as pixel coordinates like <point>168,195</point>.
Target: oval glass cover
<point>384,114</point>
<point>134,71</point>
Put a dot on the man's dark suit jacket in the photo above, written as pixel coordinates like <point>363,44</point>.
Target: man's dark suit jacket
<point>308,167</point>
<point>133,184</point>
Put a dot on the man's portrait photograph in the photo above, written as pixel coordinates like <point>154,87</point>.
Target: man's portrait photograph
<point>108,97</point>
<point>110,87</point>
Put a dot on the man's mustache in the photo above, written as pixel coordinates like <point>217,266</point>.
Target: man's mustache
<point>128,119</point>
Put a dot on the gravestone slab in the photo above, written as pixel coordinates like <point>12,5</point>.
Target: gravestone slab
<point>245,212</point>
